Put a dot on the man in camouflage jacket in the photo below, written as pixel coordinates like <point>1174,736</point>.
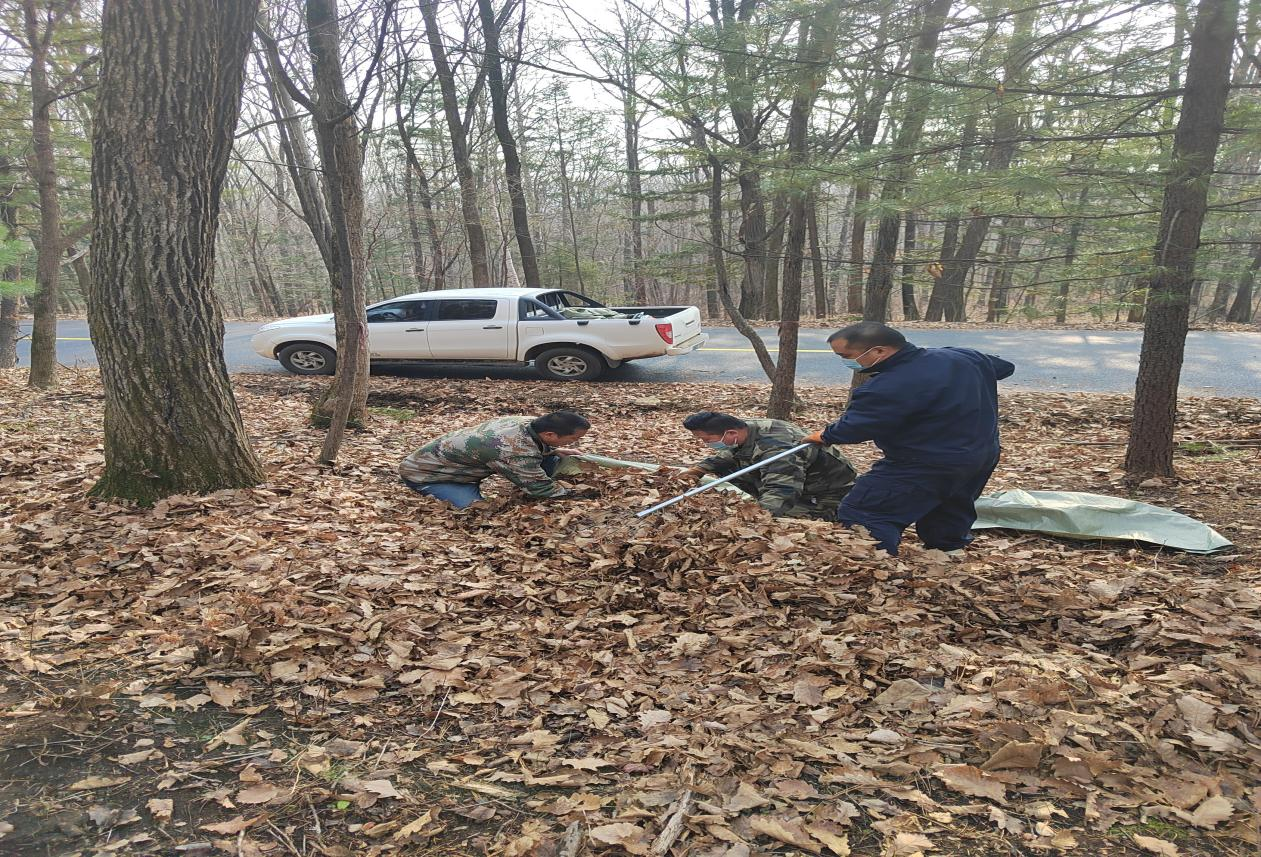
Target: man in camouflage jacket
<point>807,484</point>
<point>523,450</point>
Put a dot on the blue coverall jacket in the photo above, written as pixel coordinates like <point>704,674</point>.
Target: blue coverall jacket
<point>933,412</point>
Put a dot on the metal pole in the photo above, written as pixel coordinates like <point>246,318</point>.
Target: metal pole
<point>699,488</point>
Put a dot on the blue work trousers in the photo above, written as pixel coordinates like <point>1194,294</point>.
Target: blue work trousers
<point>939,499</point>
<point>461,495</point>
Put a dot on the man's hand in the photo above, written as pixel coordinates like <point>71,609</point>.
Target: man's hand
<point>816,437</point>
<point>564,451</point>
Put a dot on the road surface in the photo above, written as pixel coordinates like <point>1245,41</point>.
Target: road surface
<point>1217,363</point>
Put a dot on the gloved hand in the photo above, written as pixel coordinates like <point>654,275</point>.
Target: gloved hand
<point>815,437</point>
<point>691,474</point>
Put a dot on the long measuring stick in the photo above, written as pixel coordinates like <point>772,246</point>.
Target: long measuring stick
<point>699,488</point>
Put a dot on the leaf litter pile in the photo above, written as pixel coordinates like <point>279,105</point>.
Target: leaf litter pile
<point>332,665</point>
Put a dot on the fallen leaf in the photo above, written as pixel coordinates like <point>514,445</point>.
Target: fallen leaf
<point>232,826</point>
<point>624,834</point>
<point>97,783</point>
<point>970,781</point>
<point>411,829</point>
<point>745,797</point>
<point>1154,845</point>
<point>261,793</point>
<point>160,808</point>
<point>1014,754</point>
<point>223,695</point>
<point>789,830</point>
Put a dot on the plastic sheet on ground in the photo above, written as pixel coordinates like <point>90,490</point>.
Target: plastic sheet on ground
<point>1069,514</point>
<point>1095,516</point>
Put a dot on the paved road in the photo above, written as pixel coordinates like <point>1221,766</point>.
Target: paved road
<point>1217,364</point>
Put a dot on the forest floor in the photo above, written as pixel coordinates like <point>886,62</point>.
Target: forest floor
<point>329,664</point>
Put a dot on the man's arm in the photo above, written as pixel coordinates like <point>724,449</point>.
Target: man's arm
<point>1002,368</point>
<point>714,463</point>
<point>782,482</point>
<point>870,414</point>
<point>526,472</point>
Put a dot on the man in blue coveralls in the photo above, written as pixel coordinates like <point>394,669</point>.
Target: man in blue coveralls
<point>933,412</point>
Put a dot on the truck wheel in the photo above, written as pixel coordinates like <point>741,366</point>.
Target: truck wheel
<point>308,358</point>
<point>569,364</point>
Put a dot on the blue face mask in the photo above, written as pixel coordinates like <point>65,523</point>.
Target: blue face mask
<point>718,444</point>
<point>852,362</point>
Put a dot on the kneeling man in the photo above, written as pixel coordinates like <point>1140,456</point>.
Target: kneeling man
<point>807,484</point>
<point>523,450</point>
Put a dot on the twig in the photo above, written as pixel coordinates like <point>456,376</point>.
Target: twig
<point>669,833</point>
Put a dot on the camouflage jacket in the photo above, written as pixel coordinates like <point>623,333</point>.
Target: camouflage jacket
<point>506,446</point>
<point>817,473</point>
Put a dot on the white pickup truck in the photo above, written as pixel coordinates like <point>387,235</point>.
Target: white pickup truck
<point>567,336</point>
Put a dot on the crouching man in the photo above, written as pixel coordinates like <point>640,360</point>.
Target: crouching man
<point>523,450</point>
<point>807,484</point>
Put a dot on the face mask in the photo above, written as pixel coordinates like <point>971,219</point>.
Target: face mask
<point>852,362</point>
<point>718,444</point>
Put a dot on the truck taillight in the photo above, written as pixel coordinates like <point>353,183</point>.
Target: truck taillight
<point>666,332</point>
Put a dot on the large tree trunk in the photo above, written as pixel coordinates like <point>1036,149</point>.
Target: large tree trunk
<point>508,143</point>
<point>1070,256</point>
<point>880,280</point>
<point>171,423</point>
<point>816,45</point>
<point>474,231</point>
<point>1196,138</point>
<point>337,136</point>
<point>48,247</point>
<point>774,257</point>
<point>419,272</point>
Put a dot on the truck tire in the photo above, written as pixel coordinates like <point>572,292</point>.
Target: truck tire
<point>569,364</point>
<point>308,358</point>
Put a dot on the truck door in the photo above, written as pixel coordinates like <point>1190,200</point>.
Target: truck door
<point>397,331</point>
<point>470,329</point>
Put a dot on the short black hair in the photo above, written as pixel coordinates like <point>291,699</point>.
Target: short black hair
<point>560,422</point>
<point>713,422</point>
<point>869,334</point>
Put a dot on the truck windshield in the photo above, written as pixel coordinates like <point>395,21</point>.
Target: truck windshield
<point>559,300</point>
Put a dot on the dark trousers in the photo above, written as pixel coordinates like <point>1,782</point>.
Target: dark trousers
<point>939,499</point>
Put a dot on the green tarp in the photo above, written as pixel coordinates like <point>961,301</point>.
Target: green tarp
<point>1056,513</point>
<point>1095,516</point>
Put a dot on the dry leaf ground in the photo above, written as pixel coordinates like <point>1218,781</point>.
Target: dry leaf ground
<point>329,664</point>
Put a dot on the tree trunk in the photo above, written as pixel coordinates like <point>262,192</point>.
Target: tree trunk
<point>634,179</point>
<point>1241,309</point>
<point>48,247</point>
<point>337,137</point>
<point>902,168</point>
<point>774,256</point>
<point>858,248</point>
<point>910,310</point>
<point>816,45</point>
<point>1070,256</point>
<point>1221,297</point>
<point>1196,138</point>
<point>171,423</point>
<point>474,232</point>
<point>8,299</point>
<point>419,273</point>
<point>508,143</point>
<point>816,259</point>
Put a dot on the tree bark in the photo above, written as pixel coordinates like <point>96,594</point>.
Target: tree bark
<point>49,245</point>
<point>731,21</point>
<point>1241,309</point>
<point>8,299</point>
<point>1070,256</point>
<point>816,45</point>
<point>774,257</point>
<point>816,259</point>
<point>171,422</point>
<point>337,137</point>
<point>634,178</point>
<point>910,310</point>
<point>902,168</point>
<point>1196,139</point>
<point>474,231</point>
<point>419,273</point>
<point>508,143</point>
